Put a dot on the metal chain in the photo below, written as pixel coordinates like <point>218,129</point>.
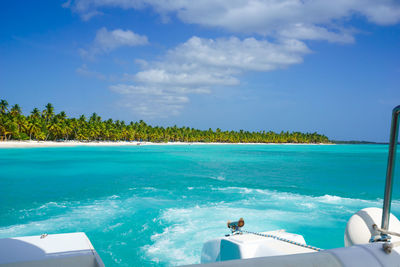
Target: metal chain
<point>284,240</point>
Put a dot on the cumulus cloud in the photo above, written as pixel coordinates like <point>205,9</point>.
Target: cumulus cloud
<point>107,41</point>
<point>301,19</point>
<point>200,65</point>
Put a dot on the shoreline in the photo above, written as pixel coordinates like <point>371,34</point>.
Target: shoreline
<point>33,144</point>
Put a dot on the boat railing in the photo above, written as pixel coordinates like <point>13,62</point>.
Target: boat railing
<point>394,133</point>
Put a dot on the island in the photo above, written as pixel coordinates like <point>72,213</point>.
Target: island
<point>46,125</point>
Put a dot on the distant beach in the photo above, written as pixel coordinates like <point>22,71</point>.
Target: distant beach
<point>28,144</point>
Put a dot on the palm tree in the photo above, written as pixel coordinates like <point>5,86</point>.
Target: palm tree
<point>35,113</point>
<point>48,113</point>
<point>3,106</point>
<point>34,128</point>
<point>15,110</point>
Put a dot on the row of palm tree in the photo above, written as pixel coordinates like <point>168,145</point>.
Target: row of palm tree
<point>47,125</point>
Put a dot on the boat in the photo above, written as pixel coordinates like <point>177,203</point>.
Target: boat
<point>366,244</point>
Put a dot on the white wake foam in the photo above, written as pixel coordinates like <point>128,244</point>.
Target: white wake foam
<point>186,229</point>
<point>186,225</point>
<point>77,217</point>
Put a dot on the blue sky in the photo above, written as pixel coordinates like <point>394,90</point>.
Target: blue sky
<point>326,66</point>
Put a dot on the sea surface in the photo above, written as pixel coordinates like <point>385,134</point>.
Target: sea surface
<point>156,205</point>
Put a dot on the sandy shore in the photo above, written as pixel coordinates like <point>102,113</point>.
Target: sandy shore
<point>25,144</point>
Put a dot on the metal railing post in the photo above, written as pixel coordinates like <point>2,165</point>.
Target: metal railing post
<point>394,131</point>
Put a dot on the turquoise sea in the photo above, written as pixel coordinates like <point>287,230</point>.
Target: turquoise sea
<point>156,205</point>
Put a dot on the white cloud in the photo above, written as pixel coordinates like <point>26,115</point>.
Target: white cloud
<point>107,41</point>
<point>312,32</point>
<point>200,65</point>
<point>301,19</point>
<point>152,101</point>
<point>84,71</point>
<point>246,54</point>
<point>87,16</point>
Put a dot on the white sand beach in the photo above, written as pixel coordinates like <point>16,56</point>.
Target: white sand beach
<point>27,144</point>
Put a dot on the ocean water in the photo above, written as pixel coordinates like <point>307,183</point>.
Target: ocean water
<point>156,205</point>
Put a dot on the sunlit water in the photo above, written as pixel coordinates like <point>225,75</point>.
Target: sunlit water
<point>156,205</point>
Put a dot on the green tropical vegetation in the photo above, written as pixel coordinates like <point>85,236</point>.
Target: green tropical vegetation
<point>45,125</point>
<point>354,142</point>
